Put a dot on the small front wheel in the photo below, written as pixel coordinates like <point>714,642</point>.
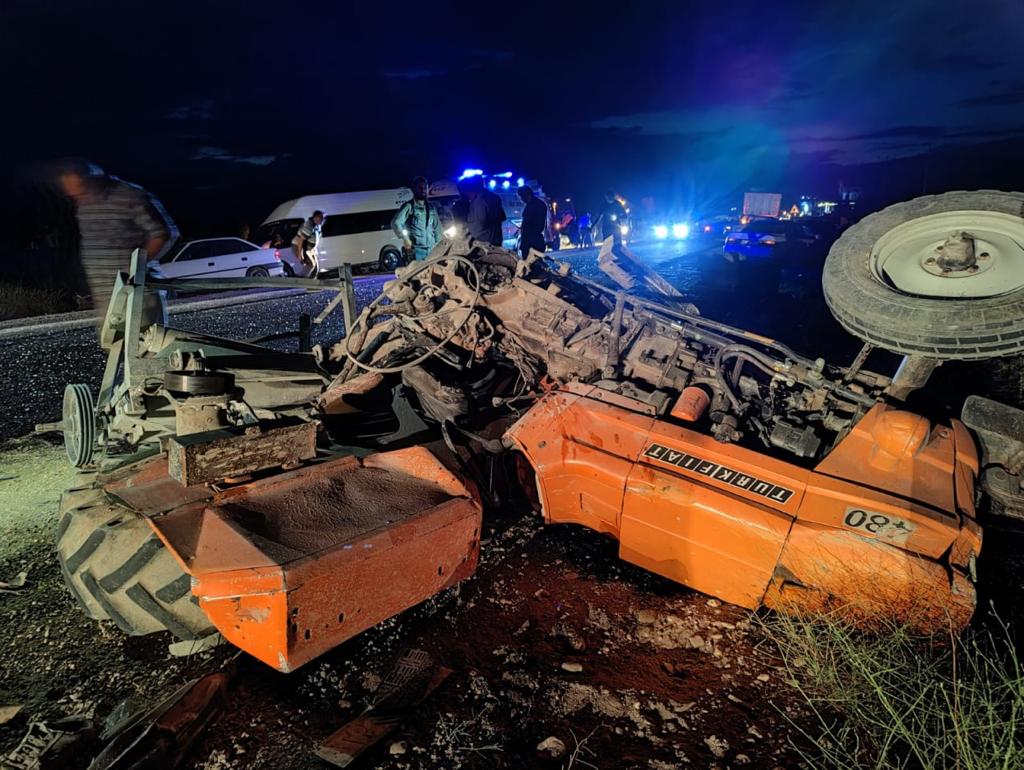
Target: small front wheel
<point>257,272</point>
<point>390,259</point>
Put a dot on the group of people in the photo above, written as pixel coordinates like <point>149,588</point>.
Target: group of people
<point>115,217</point>
<point>478,213</point>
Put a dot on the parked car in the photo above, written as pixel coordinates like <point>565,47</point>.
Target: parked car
<point>219,258</point>
<point>783,242</point>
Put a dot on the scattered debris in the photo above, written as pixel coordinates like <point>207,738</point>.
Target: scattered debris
<point>7,713</point>
<point>572,668</point>
<point>718,746</point>
<point>646,617</point>
<point>188,647</point>
<point>551,747</point>
<point>164,734</point>
<point>10,587</point>
<point>570,636</point>
<point>397,748</point>
<point>409,683</point>
<point>52,744</point>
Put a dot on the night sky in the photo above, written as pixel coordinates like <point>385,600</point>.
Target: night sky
<point>224,109</point>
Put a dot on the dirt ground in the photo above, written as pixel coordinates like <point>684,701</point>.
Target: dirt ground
<point>667,678</point>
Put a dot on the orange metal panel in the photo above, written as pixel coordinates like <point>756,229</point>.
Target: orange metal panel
<point>748,475</point>
<point>967,467</point>
<point>709,539</point>
<point>582,449</point>
<point>332,596</point>
<point>867,582</point>
<point>924,475</point>
<point>878,516</point>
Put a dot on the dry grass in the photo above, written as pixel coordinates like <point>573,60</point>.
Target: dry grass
<point>17,301</point>
<point>894,700</point>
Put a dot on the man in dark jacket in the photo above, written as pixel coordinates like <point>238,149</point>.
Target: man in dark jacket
<point>479,211</point>
<point>535,213</point>
<point>613,217</point>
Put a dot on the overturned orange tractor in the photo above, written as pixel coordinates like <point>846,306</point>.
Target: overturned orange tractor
<point>290,501</point>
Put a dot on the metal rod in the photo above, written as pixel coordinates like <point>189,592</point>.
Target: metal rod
<point>611,361</point>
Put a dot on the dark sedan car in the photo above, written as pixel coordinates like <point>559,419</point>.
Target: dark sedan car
<point>781,241</point>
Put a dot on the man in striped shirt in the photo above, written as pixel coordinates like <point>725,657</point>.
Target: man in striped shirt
<point>114,218</point>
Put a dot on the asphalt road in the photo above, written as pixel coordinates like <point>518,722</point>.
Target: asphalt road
<point>37,366</point>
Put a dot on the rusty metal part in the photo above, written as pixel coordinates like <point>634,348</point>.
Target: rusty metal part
<point>912,374</point>
<point>289,566</point>
<point>411,681</point>
<point>162,736</point>
<point>198,414</point>
<point>200,458</point>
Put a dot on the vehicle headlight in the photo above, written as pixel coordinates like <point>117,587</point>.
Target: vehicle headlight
<point>660,231</point>
<point>450,231</point>
<point>624,229</point>
<point>681,230</point>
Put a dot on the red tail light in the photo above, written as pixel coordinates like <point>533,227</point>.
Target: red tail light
<point>768,241</point>
<point>277,254</point>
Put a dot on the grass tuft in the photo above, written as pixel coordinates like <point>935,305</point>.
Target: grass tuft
<point>895,700</point>
<point>17,301</point>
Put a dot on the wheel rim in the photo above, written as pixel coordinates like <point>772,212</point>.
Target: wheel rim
<point>955,254</point>
<point>391,259</point>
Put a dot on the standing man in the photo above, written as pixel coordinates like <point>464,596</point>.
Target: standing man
<point>612,217</point>
<point>481,210</point>
<point>114,218</point>
<point>305,243</point>
<point>417,222</point>
<point>535,213</point>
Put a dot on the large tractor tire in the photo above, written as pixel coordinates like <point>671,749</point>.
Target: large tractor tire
<point>118,569</point>
<point>890,279</point>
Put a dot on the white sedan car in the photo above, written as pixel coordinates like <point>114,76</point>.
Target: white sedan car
<point>219,258</point>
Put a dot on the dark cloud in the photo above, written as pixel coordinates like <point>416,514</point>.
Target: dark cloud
<point>200,111</point>
<point>1008,96</point>
<point>219,153</point>
<point>414,73</point>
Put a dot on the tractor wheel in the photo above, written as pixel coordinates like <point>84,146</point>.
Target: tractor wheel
<point>940,276</point>
<point>118,569</point>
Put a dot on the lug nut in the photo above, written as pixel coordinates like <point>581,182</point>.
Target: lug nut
<point>930,261</point>
<point>983,255</point>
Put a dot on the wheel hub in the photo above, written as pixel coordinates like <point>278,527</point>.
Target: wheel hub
<point>969,254</point>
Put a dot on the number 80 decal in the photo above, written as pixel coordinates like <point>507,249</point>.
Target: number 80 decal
<point>878,524</point>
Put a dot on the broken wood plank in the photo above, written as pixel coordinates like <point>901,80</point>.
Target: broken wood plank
<point>200,458</point>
